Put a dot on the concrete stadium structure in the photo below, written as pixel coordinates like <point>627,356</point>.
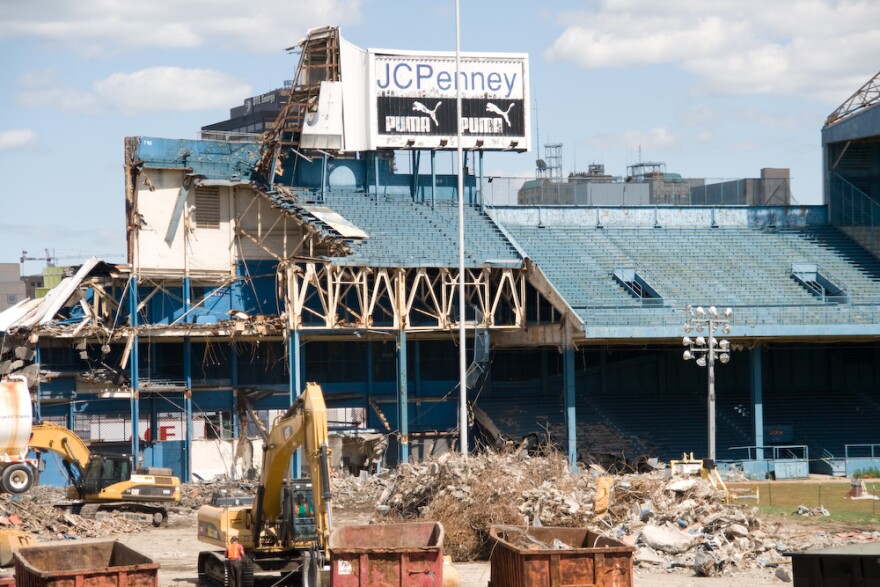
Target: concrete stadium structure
<point>242,284</point>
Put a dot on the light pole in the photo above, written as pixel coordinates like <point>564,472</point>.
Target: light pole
<point>705,349</point>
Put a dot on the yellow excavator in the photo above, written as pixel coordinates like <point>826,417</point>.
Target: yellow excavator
<point>285,527</point>
<point>106,483</point>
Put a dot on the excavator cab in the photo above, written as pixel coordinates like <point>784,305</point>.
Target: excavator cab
<point>299,508</point>
<point>104,471</point>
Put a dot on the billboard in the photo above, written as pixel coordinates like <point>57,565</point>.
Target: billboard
<point>412,100</point>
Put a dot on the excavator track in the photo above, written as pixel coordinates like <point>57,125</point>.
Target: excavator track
<point>141,512</point>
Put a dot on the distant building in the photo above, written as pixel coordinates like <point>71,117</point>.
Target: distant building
<point>256,115</point>
<point>649,184</point>
<point>664,189</point>
<point>773,188</point>
<point>12,288</point>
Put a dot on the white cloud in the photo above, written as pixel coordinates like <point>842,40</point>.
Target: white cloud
<point>95,26</point>
<point>655,138</point>
<point>155,89</point>
<point>815,48</point>
<point>19,138</point>
<point>162,89</point>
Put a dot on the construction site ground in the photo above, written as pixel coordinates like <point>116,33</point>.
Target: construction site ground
<point>176,549</point>
<point>683,530</point>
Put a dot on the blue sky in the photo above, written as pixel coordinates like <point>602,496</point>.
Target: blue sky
<point>713,88</point>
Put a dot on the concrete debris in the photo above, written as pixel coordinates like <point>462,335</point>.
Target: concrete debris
<point>675,527</point>
<point>783,575</point>
<point>705,563</point>
<point>33,512</point>
<point>666,539</point>
<point>820,511</point>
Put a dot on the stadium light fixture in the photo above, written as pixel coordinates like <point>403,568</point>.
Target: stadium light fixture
<point>706,349</point>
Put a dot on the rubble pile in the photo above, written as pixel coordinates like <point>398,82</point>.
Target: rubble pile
<point>195,495</point>
<point>678,523</point>
<point>470,494</point>
<point>34,513</point>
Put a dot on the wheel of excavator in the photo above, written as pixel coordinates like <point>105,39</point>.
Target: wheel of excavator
<point>158,518</point>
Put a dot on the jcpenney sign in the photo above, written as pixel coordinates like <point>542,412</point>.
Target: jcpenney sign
<point>405,76</point>
<point>413,100</point>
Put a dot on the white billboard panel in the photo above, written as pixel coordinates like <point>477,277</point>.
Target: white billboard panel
<point>413,100</point>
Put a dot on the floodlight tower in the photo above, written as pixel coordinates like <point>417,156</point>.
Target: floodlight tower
<point>705,349</point>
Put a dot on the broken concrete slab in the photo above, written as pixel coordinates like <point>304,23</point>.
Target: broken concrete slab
<point>665,539</point>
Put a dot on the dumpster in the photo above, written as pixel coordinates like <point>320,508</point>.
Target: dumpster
<point>87,564</point>
<point>854,565</point>
<point>552,557</point>
<point>387,555</point>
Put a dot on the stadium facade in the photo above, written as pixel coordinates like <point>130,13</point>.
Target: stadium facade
<point>254,266</point>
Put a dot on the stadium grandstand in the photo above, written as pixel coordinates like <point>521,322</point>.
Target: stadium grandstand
<point>245,280</point>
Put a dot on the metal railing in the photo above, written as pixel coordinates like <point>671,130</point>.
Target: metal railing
<point>614,191</point>
<point>853,208</point>
<point>612,313</point>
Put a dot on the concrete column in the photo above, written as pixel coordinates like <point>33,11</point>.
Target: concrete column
<point>756,373</point>
<point>187,394</point>
<point>233,379</point>
<point>133,369</point>
<point>294,369</point>
<point>402,397</point>
<point>571,420</point>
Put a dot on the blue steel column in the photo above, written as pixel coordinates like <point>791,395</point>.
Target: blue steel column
<point>481,200</point>
<point>38,414</point>
<point>433,177</point>
<point>133,369</point>
<point>376,174</point>
<point>294,369</point>
<point>402,397</point>
<point>568,365</point>
<point>233,379</point>
<point>187,398</point>
<point>757,385</point>
<point>323,176</point>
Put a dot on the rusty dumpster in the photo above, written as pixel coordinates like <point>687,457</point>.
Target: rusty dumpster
<point>387,555</point>
<point>553,557</point>
<point>88,564</point>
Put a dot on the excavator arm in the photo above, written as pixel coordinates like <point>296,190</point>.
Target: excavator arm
<point>303,425</point>
<point>47,436</point>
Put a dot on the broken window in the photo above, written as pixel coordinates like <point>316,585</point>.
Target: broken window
<point>207,212</point>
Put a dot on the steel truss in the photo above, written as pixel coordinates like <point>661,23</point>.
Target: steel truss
<point>322,296</point>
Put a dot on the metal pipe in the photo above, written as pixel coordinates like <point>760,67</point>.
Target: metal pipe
<point>462,359</point>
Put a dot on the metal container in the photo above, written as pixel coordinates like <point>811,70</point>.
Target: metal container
<point>88,564</point>
<point>854,565</point>
<point>557,557</point>
<point>15,418</point>
<point>387,555</point>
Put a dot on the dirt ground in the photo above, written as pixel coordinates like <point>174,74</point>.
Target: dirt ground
<point>176,548</point>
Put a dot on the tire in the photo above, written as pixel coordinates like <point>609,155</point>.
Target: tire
<point>17,478</point>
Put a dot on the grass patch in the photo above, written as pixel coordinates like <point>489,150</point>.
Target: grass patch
<point>784,497</point>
